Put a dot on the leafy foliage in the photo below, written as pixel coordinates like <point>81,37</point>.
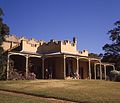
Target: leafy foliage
<point>15,75</point>
<point>115,75</point>
<point>93,55</point>
<point>112,51</point>
<point>4,30</point>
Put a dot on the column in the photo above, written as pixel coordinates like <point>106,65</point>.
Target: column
<point>8,66</point>
<point>77,71</point>
<point>100,71</point>
<point>105,72</point>
<point>113,67</point>
<point>27,66</point>
<point>43,68</point>
<point>95,70</point>
<point>89,70</point>
<point>64,66</point>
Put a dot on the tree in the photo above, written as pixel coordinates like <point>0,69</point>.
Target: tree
<point>93,55</point>
<point>112,51</point>
<point>4,30</point>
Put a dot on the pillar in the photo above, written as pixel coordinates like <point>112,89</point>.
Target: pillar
<point>113,67</point>
<point>27,66</point>
<point>8,66</point>
<point>89,70</point>
<point>64,66</point>
<point>105,72</point>
<point>43,68</point>
<point>100,71</point>
<point>77,68</point>
<point>95,71</point>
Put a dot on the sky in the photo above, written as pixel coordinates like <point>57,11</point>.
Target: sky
<point>88,20</point>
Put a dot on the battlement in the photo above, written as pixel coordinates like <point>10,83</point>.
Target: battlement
<point>68,42</point>
<point>10,42</point>
<point>42,47</point>
<point>83,52</point>
<point>12,38</point>
<point>65,46</point>
<point>49,47</point>
<point>31,41</point>
<point>30,45</point>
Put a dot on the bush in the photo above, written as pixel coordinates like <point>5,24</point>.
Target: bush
<point>19,75</point>
<point>115,75</point>
<point>15,75</point>
<point>31,76</point>
<point>3,73</point>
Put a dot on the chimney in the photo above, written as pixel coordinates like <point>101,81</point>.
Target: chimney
<point>75,40</point>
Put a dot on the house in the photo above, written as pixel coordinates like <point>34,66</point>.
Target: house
<point>53,59</point>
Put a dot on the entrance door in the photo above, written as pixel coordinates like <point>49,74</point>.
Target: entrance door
<point>81,72</point>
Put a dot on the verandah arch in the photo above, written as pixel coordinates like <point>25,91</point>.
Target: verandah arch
<point>35,66</point>
<point>53,67</point>
<point>18,65</point>
<point>21,62</point>
<point>83,68</point>
<point>96,71</point>
<point>87,68</point>
<point>105,69</point>
<point>71,66</point>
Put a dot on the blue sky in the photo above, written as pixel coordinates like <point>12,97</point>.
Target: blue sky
<point>88,20</point>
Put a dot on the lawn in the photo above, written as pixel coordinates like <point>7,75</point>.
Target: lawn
<point>95,91</point>
<point>11,98</point>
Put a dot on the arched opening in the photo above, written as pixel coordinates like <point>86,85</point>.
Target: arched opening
<point>95,69</point>
<point>105,70</point>
<point>53,68</point>
<point>71,67</point>
<point>18,66</point>
<point>35,66</point>
<point>83,68</point>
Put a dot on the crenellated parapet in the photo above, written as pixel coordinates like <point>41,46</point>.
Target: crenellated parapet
<point>10,42</point>
<point>49,47</point>
<point>32,40</point>
<point>27,45</point>
<point>52,41</point>
<point>30,45</point>
<point>68,46</point>
<point>12,38</point>
<point>65,46</point>
<point>83,53</point>
<point>42,47</point>
<point>68,42</point>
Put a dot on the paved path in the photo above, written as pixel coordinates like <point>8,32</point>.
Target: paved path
<point>53,100</point>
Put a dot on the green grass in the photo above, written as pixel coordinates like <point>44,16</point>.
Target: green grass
<point>9,98</point>
<point>75,90</point>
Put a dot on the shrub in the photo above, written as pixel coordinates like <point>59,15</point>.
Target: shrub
<point>19,75</point>
<point>115,75</point>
